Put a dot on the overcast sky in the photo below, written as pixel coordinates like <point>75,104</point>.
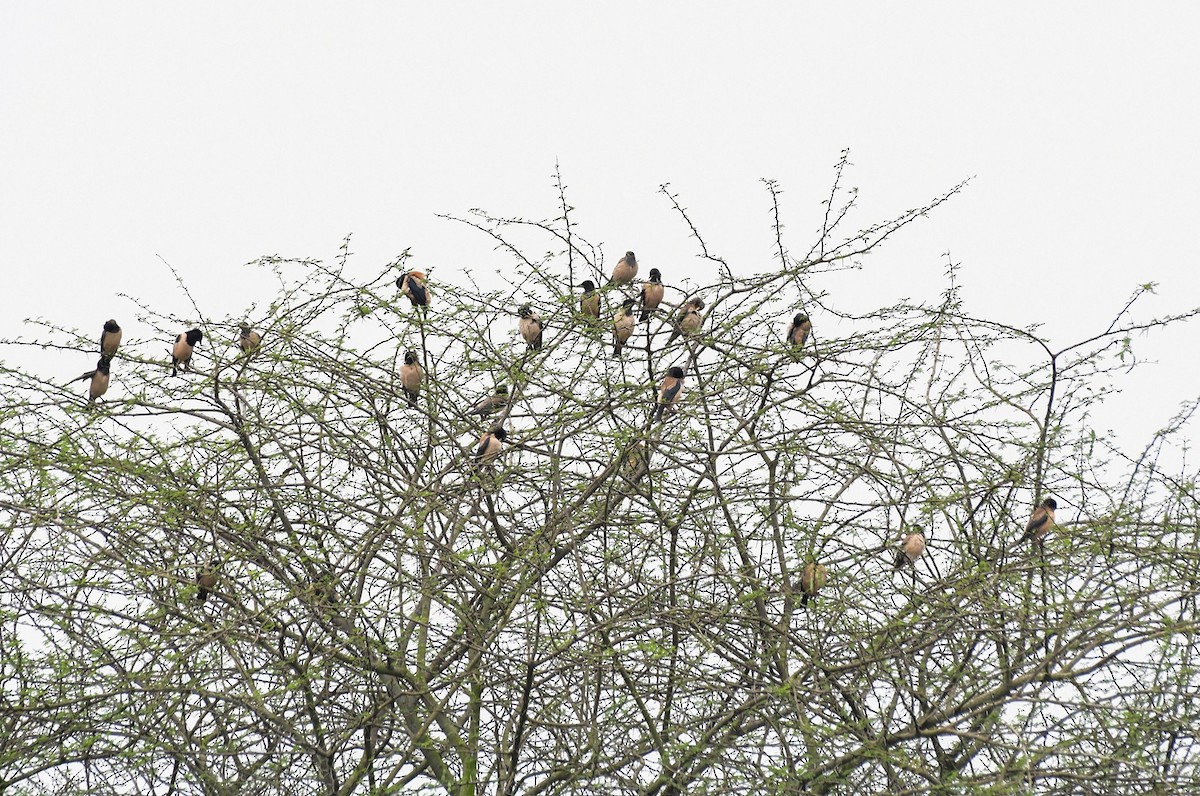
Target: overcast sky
<point>208,134</point>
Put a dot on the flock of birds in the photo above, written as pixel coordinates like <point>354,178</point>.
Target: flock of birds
<point>687,321</point>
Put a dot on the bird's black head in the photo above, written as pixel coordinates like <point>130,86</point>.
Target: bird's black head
<point>410,358</point>
<point>501,389</point>
<point>102,366</point>
<point>588,285</point>
<point>525,311</point>
<point>214,562</point>
<point>697,302</point>
<point>628,303</point>
<point>630,258</point>
<point>245,327</point>
<point>655,275</point>
<point>400,281</point>
<point>799,319</point>
<point>111,326</point>
<point>500,433</point>
<point>676,372</point>
<point>1050,503</point>
<point>194,336</point>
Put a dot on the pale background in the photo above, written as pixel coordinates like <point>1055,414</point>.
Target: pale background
<point>209,134</point>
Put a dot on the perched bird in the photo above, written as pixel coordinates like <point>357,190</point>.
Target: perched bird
<point>99,380</point>
<point>1040,521</point>
<point>688,320</point>
<point>912,547</point>
<point>623,325</point>
<point>670,391</point>
<point>492,403</point>
<point>812,579</point>
<point>636,462</point>
<point>589,302</point>
<point>249,340</point>
<point>531,327</point>
<point>798,329</point>
<point>652,294</point>
<point>412,284</point>
<point>206,579</point>
<point>411,375</point>
<point>110,338</point>
<point>490,445</point>
<point>625,270</point>
<point>185,346</point>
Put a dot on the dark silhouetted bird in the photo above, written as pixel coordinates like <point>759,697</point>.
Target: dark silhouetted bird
<point>206,579</point>
<point>1041,521</point>
<point>490,445</point>
<point>98,384</point>
<point>912,547</point>
<point>185,346</point>
<point>249,339</point>
<point>589,302</point>
<point>531,327</point>
<point>669,392</point>
<point>812,579</point>
<point>798,329</point>
<point>626,269</point>
<point>411,375</point>
<point>652,294</point>
<point>110,339</point>
<point>688,319</point>
<point>623,325</point>
<point>412,284</point>
<point>492,403</point>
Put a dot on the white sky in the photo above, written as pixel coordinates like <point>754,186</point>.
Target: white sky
<point>212,133</point>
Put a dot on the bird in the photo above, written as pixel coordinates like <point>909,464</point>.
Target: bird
<point>249,339</point>
<point>623,324</point>
<point>589,302</point>
<point>812,579</point>
<point>110,338</point>
<point>670,391</point>
<point>206,579</point>
<point>1040,521</point>
<point>912,547</point>
<point>490,445</point>
<point>531,327</point>
<point>798,329</point>
<point>652,294</point>
<point>410,377</point>
<point>99,380</point>
<point>185,345</point>
<point>636,462</point>
<point>625,270</point>
<point>412,284</point>
<point>688,320</point>
<point>492,403</point>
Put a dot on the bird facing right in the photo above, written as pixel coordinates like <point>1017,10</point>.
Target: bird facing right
<point>185,346</point>
<point>912,547</point>
<point>1041,521</point>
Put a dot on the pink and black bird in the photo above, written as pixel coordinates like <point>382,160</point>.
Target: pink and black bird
<point>1041,521</point>
<point>669,392</point>
<point>652,294</point>
<point>412,284</point>
<point>181,352</point>
<point>623,325</point>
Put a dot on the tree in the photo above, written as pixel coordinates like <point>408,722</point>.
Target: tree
<point>614,603</point>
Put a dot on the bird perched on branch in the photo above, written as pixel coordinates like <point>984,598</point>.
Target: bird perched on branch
<point>206,579</point>
<point>492,403</point>
<point>669,392</point>
<point>652,294</point>
<point>688,320</point>
<point>531,327</point>
<point>912,547</point>
<point>411,375</point>
<point>798,330</point>
<point>623,325</point>
<point>99,380</point>
<point>185,346</point>
<point>249,340</point>
<point>110,338</point>
<point>490,445</point>
<point>412,284</point>
<point>1041,521</point>
<point>589,302</point>
<point>625,270</point>
<point>812,579</point>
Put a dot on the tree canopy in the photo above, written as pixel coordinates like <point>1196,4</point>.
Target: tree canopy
<point>621,600</point>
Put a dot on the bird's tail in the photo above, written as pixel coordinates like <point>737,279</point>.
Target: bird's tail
<point>412,398</point>
<point>804,600</point>
<point>646,313</point>
<point>901,559</point>
<point>618,347</point>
